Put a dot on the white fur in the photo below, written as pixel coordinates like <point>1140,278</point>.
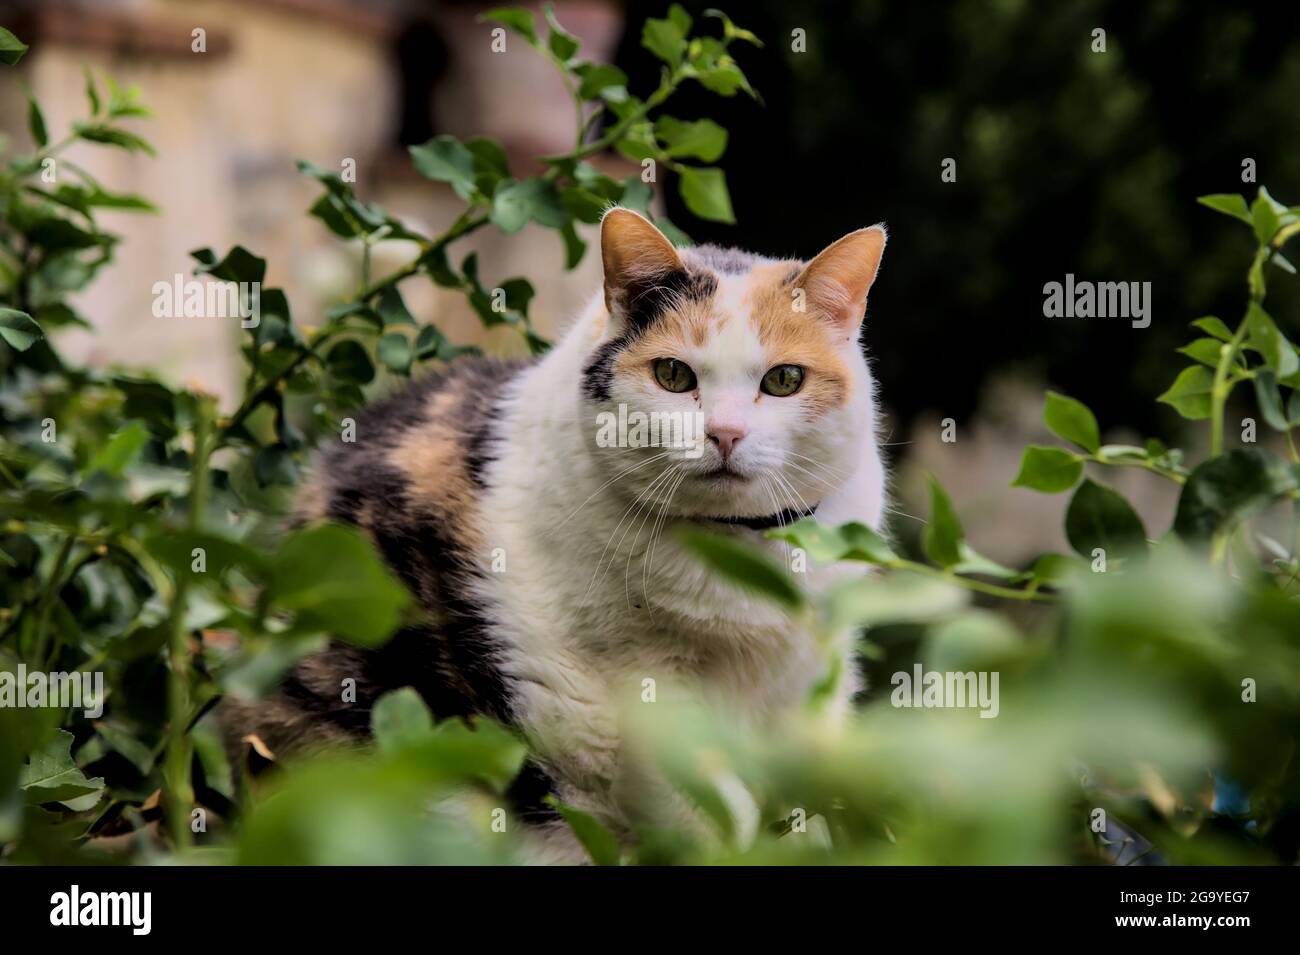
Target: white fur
<point>582,635</point>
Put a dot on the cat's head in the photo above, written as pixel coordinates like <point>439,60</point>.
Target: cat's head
<point>744,374</point>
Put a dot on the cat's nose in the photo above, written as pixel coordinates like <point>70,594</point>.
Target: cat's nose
<point>726,437</point>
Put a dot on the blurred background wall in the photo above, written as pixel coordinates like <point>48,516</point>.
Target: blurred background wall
<point>1067,160</point>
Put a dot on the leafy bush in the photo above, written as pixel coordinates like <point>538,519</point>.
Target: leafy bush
<point>142,537</point>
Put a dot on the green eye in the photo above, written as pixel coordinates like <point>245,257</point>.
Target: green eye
<point>782,381</point>
<point>674,375</point>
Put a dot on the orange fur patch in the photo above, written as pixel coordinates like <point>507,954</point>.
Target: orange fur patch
<point>787,336</point>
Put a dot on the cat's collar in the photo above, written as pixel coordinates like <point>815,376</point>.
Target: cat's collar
<point>787,516</point>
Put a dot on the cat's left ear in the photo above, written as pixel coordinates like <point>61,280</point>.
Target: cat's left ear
<point>836,282</point>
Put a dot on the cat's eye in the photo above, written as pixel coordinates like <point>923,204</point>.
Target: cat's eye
<point>781,381</point>
<point>674,375</point>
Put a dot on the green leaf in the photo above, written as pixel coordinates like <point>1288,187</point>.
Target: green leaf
<point>516,203</point>
<point>1264,218</point>
<point>1278,352</point>
<point>51,775</point>
<point>665,39</point>
<point>1215,327</point>
<point>1270,400</point>
<point>239,265</point>
<point>519,293</point>
<point>732,32</point>
<point>490,163</point>
<point>1230,204</point>
<point>121,450</point>
<point>392,309</point>
<point>599,79</point>
<point>446,159</point>
<point>943,535</point>
<point>394,350</point>
<point>112,136</point>
<point>826,545</point>
<point>1207,351</point>
<point>574,246</point>
<point>350,808</point>
<point>330,210</point>
<point>92,92</point>
<point>1055,568</point>
<point>1049,470</point>
<point>678,15</point>
<point>330,576</point>
<point>1224,490</point>
<point>563,44</point>
<point>1099,517</point>
<point>11,48</point>
<point>897,598</point>
<point>127,746</point>
<point>743,565</point>
<point>704,190</point>
<point>36,124</point>
<point>583,205</point>
<point>1190,393</point>
<point>400,718</point>
<point>175,550</point>
<point>18,329</point>
<point>521,21</point>
<point>701,139</point>
<point>348,361</point>
<point>1071,420</point>
<point>99,198</point>
<point>601,844</point>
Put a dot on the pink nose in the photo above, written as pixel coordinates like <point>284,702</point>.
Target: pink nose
<point>726,437</point>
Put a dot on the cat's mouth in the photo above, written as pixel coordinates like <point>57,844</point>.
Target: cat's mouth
<point>763,522</point>
<point>724,473</point>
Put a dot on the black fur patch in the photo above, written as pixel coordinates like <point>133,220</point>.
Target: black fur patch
<point>639,306</point>
<point>643,301</point>
<point>451,661</point>
<point>527,794</point>
<point>599,373</point>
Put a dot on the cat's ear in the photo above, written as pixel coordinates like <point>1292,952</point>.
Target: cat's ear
<point>836,282</point>
<point>636,256</point>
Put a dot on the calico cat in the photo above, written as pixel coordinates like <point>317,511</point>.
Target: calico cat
<point>541,549</point>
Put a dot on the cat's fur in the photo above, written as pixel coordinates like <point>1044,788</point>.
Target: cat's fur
<point>485,489</point>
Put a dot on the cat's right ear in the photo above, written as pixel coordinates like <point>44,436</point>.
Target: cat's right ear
<point>636,257</point>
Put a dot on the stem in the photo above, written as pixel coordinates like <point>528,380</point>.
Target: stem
<point>251,403</point>
<point>1151,466</point>
<point>462,227</point>
<point>176,771</point>
<point>52,587</point>
<point>993,590</point>
<point>1222,387</point>
<point>616,131</point>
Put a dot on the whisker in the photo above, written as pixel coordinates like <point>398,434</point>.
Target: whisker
<point>621,474</point>
<point>655,534</point>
